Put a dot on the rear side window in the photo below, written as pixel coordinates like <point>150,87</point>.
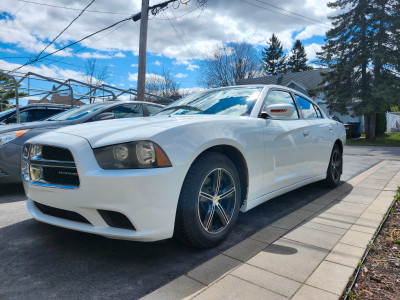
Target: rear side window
<point>128,111</point>
<point>307,108</point>
<point>281,97</point>
<point>153,109</point>
<point>26,116</point>
<point>42,114</point>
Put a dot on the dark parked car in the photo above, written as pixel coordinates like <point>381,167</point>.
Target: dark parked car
<point>32,113</point>
<point>13,137</point>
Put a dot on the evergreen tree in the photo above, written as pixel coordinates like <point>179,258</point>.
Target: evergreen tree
<point>7,91</point>
<point>274,60</point>
<point>360,59</point>
<point>297,60</point>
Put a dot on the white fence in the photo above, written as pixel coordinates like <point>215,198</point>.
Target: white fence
<point>393,122</point>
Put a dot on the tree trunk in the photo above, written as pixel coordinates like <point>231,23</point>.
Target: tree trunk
<point>370,126</point>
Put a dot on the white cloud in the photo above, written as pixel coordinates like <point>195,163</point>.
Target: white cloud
<point>86,55</point>
<point>134,77</point>
<point>181,75</point>
<point>8,50</point>
<point>157,63</point>
<point>188,91</point>
<point>52,71</point>
<point>119,54</point>
<point>134,65</point>
<point>192,67</point>
<point>311,51</point>
<point>222,21</point>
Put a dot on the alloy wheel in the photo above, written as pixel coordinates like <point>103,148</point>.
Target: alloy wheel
<point>216,200</point>
<point>336,165</point>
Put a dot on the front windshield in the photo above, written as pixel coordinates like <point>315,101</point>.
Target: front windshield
<point>77,112</point>
<point>235,101</point>
<point>3,113</point>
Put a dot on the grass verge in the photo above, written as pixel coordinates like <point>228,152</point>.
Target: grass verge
<point>389,139</point>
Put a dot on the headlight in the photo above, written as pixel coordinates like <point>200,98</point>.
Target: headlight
<point>12,135</point>
<point>134,155</point>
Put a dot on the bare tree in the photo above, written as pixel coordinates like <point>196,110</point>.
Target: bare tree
<point>230,63</point>
<point>95,75</point>
<point>162,84</point>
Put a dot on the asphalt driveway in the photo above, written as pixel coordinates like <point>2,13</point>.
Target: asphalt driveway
<point>43,261</point>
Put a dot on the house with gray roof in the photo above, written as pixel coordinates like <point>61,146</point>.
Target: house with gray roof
<point>302,82</point>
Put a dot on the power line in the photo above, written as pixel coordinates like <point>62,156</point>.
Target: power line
<point>69,25</point>
<point>71,44</point>
<point>72,8</point>
<point>179,36</point>
<point>288,11</point>
<point>84,47</point>
<point>262,7</point>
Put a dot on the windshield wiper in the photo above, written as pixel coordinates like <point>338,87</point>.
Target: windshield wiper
<point>187,107</point>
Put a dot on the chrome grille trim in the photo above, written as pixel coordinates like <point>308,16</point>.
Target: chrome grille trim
<point>51,172</point>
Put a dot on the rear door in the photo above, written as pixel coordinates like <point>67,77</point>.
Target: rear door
<point>287,144</point>
<point>321,137</point>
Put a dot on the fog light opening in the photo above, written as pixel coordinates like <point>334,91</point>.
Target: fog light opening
<point>116,219</point>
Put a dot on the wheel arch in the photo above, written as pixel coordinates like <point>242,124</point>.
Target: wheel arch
<point>238,159</point>
<point>340,145</point>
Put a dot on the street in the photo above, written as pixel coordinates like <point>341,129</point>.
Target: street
<point>43,261</point>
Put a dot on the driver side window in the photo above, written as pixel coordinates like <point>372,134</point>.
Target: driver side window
<point>281,97</point>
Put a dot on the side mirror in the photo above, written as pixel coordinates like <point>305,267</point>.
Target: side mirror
<point>11,120</point>
<point>280,110</point>
<point>104,116</point>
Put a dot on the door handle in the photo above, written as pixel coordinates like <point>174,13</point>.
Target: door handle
<point>306,133</point>
<point>330,128</point>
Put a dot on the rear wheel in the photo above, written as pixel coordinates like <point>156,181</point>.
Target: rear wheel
<point>335,167</point>
<point>209,201</point>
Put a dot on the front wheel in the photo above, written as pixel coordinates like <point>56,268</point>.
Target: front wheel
<point>335,167</point>
<point>209,202</point>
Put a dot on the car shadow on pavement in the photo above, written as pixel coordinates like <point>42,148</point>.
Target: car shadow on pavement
<point>11,193</point>
<point>43,260</point>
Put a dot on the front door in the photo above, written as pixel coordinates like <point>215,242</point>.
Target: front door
<point>287,145</point>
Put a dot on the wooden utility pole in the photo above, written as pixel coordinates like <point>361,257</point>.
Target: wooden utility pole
<point>141,83</point>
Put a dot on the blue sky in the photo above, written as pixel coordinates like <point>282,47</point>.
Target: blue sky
<point>177,45</point>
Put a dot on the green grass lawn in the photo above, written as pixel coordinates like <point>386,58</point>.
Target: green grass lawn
<point>390,139</point>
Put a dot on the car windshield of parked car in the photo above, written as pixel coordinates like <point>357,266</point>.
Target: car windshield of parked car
<point>6,112</point>
<point>77,112</point>
<point>237,101</point>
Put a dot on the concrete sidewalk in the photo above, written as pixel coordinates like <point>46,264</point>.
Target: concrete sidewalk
<point>309,254</point>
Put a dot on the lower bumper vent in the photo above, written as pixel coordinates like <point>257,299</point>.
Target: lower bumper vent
<point>116,219</point>
<point>61,213</point>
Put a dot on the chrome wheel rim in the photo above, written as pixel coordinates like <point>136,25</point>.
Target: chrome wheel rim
<point>336,165</point>
<point>216,201</point>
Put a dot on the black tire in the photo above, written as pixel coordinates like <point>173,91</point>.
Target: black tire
<point>335,168</point>
<point>200,221</point>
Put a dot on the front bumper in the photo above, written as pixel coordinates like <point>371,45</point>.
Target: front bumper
<point>147,197</point>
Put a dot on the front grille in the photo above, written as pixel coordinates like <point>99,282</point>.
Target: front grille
<point>52,166</point>
<point>61,213</point>
<point>56,153</point>
<point>60,176</point>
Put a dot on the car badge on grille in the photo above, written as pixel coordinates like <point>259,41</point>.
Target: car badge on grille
<point>67,173</point>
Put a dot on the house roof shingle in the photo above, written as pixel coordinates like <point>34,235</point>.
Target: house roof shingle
<point>308,79</point>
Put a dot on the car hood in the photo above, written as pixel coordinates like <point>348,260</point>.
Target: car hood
<point>32,125</point>
<point>103,133</point>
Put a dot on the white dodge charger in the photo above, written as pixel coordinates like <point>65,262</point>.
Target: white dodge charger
<point>186,171</point>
